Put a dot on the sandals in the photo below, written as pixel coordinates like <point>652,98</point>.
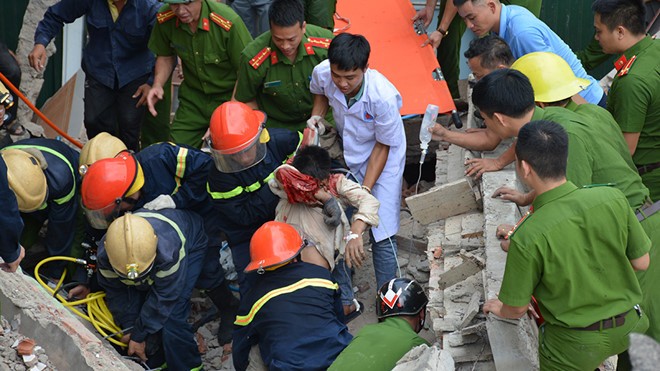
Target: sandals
<point>359,308</point>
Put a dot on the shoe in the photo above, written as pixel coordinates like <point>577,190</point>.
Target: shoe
<point>359,308</point>
<point>461,105</point>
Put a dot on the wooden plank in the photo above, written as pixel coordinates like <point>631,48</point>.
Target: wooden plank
<point>442,202</point>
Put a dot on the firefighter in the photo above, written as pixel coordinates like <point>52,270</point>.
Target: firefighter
<point>245,154</point>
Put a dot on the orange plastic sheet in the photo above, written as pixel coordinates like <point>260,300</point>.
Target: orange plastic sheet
<point>396,52</point>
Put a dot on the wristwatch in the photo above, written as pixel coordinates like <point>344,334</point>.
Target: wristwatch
<point>442,31</point>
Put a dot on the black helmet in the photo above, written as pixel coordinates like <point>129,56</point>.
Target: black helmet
<point>400,296</point>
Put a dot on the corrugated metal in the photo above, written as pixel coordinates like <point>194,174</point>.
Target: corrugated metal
<point>573,21</point>
<point>11,20</point>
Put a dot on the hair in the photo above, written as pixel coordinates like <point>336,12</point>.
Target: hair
<point>286,13</point>
<point>458,3</point>
<point>544,146</point>
<point>626,13</point>
<point>559,103</point>
<point>505,91</point>
<point>313,161</point>
<point>349,52</point>
<point>492,49</point>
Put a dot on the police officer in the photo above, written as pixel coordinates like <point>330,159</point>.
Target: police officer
<point>208,37</point>
<point>554,83</point>
<point>401,310</point>
<point>148,264</point>
<point>276,67</point>
<point>42,173</point>
<point>292,313</point>
<point>162,176</point>
<point>245,154</point>
<point>634,99</point>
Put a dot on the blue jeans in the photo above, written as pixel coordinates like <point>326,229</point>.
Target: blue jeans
<point>342,274</point>
<point>385,262</point>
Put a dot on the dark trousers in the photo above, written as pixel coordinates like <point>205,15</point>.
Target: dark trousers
<point>114,111</point>
<point>10,68</point>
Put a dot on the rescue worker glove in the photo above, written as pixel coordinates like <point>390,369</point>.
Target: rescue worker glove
<point>161,202</point>
<point>316,122</point>
<point>332,212</point>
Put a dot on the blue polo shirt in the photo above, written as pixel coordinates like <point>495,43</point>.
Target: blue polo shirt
<point>116,53</point>
<point>527,34</point>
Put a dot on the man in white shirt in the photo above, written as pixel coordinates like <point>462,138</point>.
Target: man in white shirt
<point>366,107</point>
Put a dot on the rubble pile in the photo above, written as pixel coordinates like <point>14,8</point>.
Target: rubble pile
<point>20,353</point>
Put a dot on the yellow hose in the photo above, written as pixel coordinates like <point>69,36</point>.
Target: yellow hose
<point>98,313</point>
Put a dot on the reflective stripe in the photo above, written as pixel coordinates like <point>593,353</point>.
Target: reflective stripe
<point>252,187</point>
<point>61,157</point>
<point>182,250</point>
<point>306,282</point>
<point>180,167</point>
<point>111,275</point>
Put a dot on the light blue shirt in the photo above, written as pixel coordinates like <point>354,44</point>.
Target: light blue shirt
<point>527,34</point>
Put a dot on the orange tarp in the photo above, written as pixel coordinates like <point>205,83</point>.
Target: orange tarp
<point>396,52</point>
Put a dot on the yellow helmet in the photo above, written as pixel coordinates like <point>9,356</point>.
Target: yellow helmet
<point>551,77</point>
<point>26,179</point>
<point>101,146</point>
<point>131,246</point>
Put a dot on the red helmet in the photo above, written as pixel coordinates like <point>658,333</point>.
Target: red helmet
<point>105,185</point>
<point>237,136</point>
<point>273,244</point>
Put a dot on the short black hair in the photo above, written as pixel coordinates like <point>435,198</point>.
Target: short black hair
<point>458,3</point>
<point>544,146</point>
<point>313,161</point>
<point>626,13</point>
<point>286,13</point>
<point>492,49</point>
<point>349,52</point>
<point>505,91</point>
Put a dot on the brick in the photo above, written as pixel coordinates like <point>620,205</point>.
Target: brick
<point>441,202</point>
<point>472,310</point>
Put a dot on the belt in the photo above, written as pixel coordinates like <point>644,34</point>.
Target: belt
<point>615,321</point>
<point>647,210</point>
<point>643,169</point>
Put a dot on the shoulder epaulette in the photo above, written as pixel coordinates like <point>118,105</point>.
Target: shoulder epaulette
<point>319,42</point>
<point>221,21</point>
<point>258,59</point>
<point>624,71</point>
<point>163,17</point>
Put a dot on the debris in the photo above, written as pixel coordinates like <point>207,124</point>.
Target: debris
<point>442,202</point>
<point>472,310</point>
<point>25,347</point>
<point>471,264</point>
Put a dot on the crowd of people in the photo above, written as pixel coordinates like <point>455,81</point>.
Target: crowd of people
<point>290,148</point>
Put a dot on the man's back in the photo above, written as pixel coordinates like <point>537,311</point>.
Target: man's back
<point>378,346</point>
<point>291,313</point>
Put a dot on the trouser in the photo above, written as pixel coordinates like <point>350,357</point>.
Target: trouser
<point>254,14</point>
<point>651,180</point>
<point>450,46</point>
<point>648,279</point>
<point>384,257</point>
<point>563,349</point>
<point>179,348</point>
<point>193,116</point>
<point>212,273</point>
<point>113,110</point>
<point>157,129</point>
<point>33,223</point>
<point>12,71</point>
<point>342,274</point>
<point>240,253</point>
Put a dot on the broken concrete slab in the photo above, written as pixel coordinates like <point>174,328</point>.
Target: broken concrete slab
<point>455,163</point>
<point>644,353</point>
<point>442,202</point>
<point>513,343</point>
<point>479,328</point>
<point>423,358</point>
<point>471,265</point>
<point>472,225</point>
<point>455,339</point>
<point>441,167</point>
<point>70,345</point>
<point>478,351</point>
<point>472,310</point>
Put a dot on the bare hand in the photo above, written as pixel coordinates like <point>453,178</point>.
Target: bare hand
<point>142,92</point>
<point>434,39</point>
<point>37,57</point>
<point>504,244</point>
<point>13,266</point>
<point>155,94</point>
<point>126,338</point>
<point>493,306</point>
<point>425,14</point>
<point>137,349</point>
<point>478,166</point>
<point>79,292</point>
<point>503,230</point>
<point>438,132</point>
<point>354,254</point>
<point>509,194</point>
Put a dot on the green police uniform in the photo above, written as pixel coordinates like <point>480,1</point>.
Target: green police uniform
<point>320,13</point>
<point>634,101</point>
<point>378,346</point>
<point>281,87</point>
<point>572,254</point>
<point>597,154</point>
<point>450,46</point>
<point>210,59</point>
<point>592,56</point>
